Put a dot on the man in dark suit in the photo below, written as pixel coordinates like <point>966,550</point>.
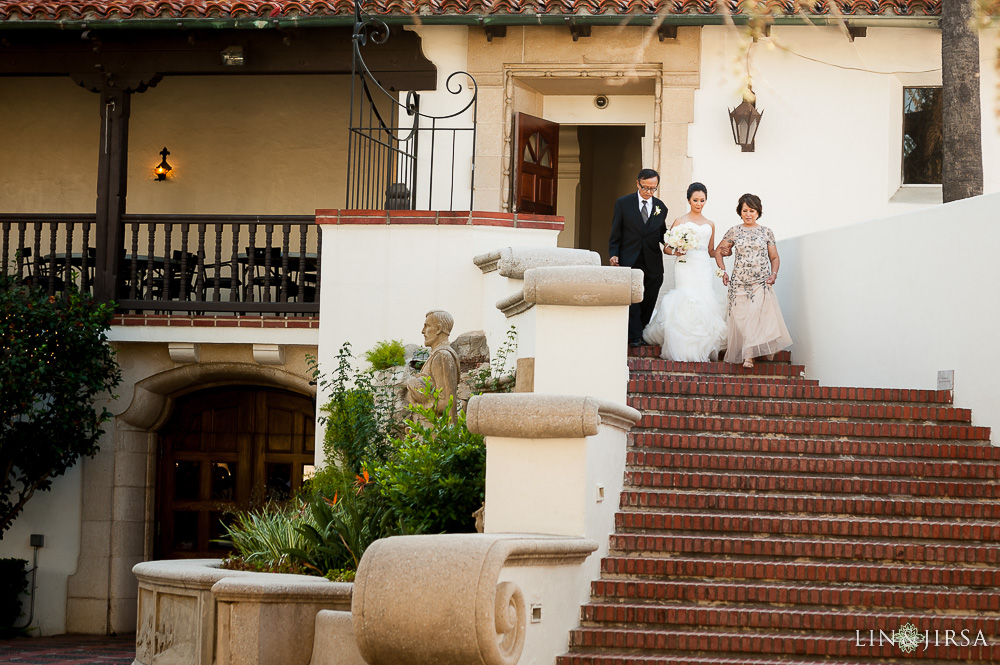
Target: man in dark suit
<point>637,233</point>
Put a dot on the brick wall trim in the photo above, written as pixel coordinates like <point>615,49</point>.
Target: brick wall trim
<point>440,218</point>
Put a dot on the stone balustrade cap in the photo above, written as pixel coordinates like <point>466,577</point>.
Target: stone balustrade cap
<point>188,573</point>
<point>583,286</point>
<point>539,416</point>
<point>487,262</point>
<point>514,261</point>
<point>275,588</point>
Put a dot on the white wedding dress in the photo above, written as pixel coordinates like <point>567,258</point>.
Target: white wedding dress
<point>690,320</point>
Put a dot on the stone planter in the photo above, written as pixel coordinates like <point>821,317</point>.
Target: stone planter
<point>193,613</point>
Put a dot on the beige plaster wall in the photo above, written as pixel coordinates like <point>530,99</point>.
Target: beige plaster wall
<point>520,72</point>
<point>238,145</point>
<point>49,148</point>
<point>241,145</point>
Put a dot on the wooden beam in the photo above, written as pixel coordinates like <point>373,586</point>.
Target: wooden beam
<point>398,64</point>
<point>112,185</point>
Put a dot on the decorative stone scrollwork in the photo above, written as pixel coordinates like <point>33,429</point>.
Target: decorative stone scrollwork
<point>511,620</point>
<point>437,600</point>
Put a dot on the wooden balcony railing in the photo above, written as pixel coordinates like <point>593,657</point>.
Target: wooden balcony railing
<point>173,263</point>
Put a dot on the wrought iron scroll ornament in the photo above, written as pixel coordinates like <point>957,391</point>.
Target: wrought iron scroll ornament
<point>389,135</point>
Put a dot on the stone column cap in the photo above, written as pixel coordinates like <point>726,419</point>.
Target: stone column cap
<point>574,286</point>
<point>512,262</point>
<point>583,286</point>
<point>539,416</point>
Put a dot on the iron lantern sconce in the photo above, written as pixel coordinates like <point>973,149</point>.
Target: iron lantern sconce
<point>163,167</point>
<point>745,120</point>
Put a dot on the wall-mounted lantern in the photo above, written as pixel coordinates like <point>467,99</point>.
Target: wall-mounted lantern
<point>745,120</point>
<point>163,168</point>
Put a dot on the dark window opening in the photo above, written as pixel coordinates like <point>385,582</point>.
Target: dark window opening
<point>922,136</point>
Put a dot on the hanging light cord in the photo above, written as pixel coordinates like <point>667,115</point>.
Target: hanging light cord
<point>862,69</point>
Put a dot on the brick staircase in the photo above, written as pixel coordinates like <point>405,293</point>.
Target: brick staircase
<point>767,519</point>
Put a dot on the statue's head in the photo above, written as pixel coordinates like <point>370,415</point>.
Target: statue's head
<point>437,326</point>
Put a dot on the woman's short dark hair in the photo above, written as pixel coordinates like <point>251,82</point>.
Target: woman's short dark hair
<point>696,187</point>
<point>753,201</point>
<point>646,174</point>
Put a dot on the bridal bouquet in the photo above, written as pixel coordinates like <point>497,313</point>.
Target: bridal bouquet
<point>683,238</point>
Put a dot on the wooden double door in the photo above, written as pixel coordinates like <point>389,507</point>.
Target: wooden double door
<point>227,449</point>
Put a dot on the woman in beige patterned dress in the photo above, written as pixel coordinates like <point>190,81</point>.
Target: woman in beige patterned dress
<point>755,327</point>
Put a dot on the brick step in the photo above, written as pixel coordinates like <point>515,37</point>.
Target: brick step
<point>673,384</point>
<point>755,644</point>
<point>955,489</point>
<point>839,620</point>
<point>615,658</point>
<point>648,404</point>
<point>653,351</point>
<point>829,549</point>
<point>722,379</point>
<point>807,526</point>
<point>911,599</point>
<point>675,422</point>
<point>815,572</point>
<point>642,460</point>
<point>747,445</point>
<point>716,368</point>
<point>787,504</point>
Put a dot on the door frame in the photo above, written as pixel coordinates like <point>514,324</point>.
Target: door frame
<point>522,74</point>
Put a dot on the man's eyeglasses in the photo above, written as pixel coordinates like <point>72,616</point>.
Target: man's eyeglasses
<point>648,189</point>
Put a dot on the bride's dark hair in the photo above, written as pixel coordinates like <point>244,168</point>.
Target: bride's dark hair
<point>696,187</point>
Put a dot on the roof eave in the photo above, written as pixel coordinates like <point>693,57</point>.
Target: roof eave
<point>493,19</point>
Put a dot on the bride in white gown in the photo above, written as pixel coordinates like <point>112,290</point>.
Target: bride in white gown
<point>690,319</point>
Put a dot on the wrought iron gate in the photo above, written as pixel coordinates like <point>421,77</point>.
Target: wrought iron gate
<point>400,158</point>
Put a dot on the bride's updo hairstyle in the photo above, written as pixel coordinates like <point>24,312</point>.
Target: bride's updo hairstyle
<point>753,201</point>
<point>696,187</point>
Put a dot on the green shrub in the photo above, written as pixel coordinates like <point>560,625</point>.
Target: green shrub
<point>437,478</point>
<point>386,354</point>
<point>57,371</point>
<point>342,528</point>
<point>496,377</point>
<point>13,582</point>
<point>358,417</point>
<point>262,538</point>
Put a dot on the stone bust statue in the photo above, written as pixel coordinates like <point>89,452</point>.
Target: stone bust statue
<point>442,366</point>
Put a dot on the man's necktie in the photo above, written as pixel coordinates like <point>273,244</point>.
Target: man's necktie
<point>644,212</point>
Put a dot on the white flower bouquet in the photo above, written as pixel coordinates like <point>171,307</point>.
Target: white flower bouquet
<point>682,238</point>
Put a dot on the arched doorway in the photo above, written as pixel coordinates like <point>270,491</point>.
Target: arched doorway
<point>223,449</point>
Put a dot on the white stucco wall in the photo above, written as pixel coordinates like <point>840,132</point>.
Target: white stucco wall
<point>380,280</point>
<point>55,515</point>
<point>447,46</point>
<point>829,145</point>
<point>890,302</point>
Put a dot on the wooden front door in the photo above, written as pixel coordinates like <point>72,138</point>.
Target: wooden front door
<point>536,164</point>
<point>227,449</point>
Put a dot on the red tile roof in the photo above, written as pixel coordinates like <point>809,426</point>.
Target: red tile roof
<point>99,10</point>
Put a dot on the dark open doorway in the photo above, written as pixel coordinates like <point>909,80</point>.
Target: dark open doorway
<point>610,158</point>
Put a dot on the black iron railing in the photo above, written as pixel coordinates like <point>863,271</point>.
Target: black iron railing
<point>188,263</point>
<point>399,157</point>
